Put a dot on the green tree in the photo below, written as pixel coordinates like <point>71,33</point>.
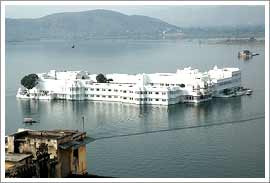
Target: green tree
<point>30,81</point>
<point>182,85</point>
<point>101,78</point>
<point>109,80</point>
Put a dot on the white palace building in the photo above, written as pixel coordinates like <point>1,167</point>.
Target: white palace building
<point>187,85</point>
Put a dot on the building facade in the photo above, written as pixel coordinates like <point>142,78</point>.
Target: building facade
<point>187,85</point>
<point>55,153</point>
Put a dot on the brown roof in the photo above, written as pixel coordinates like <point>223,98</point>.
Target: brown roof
<point>48,134</point>
<point>16,157</point>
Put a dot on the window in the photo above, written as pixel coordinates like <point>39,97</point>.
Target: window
<point>103,96</point>
<point>92,89</point>
<point>85,89</point>
<point>124,91</point>
<point>103,89</point>
<point>141,92</point>
<point>157,93</point>
<point>86,95</point>
<point>163,93</point>
<point>130,91</point>
<point>92,95</point>
<point>150,99</point>
<point>97,95</point>
<point>164,100</point>
<point>145,99</point>
<point>124,98</point>
<point>115,90</point>
<point>110,96</point>
<point>145,92</point>
<point>137,92</point>
<point>157,99</point>
<point>150,92</point>
<point>167,85</point>
<point>109,90</point>
<point>75,153</point>
<point>161,84</point>
<point>130,98</point>
<point>115,96</point>
<point>97,89</point>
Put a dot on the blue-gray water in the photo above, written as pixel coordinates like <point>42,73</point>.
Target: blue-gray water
<point>228,150</point>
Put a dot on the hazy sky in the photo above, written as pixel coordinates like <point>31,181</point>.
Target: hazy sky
<point>184,16</point>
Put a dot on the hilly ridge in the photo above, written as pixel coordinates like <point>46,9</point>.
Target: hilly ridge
<point>89,24</point>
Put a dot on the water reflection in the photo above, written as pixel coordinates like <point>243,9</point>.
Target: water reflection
<point>110,118</point>
<point>182,115</point>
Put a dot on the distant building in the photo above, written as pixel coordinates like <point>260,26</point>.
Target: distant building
<point>55,153</point>
<point>187,85</point>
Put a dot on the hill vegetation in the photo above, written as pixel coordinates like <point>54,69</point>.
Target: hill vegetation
<point>92,24</point>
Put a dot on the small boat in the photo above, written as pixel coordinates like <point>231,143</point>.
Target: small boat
<point>245,54</point>
<point>73,46</point>
<point>240,93</point>
<point>255,54</point>
<point>29,121</point>
<point>249,92</point>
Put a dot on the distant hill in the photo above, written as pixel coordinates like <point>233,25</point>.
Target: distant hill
<point>89,25</point>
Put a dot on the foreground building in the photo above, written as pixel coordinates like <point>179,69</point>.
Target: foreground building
<point>56,153</point>
<point>187,85</point>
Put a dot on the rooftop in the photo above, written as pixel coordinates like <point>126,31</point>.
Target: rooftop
<point>16,157</point>
<point>49,134</point>
<point>65,138</point>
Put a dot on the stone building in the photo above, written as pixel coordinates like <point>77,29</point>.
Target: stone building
<point>56,153</point>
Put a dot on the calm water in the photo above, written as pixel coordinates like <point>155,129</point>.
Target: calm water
<point>229,150</point>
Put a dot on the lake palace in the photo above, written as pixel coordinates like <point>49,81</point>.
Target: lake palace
<point>187,85</point>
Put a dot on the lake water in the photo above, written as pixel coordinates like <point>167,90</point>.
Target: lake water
<point>233,149</point>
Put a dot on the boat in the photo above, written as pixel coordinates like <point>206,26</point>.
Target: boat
<point>249,92</point>
<point>29,121</point>
<point>245,54</point>
<point>239,93</point>
<point>73,46</point>
<point>255,54</point>
<point>225,95</point>
<point>243,91</point>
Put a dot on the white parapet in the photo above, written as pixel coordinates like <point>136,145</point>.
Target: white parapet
<point>187,85</point>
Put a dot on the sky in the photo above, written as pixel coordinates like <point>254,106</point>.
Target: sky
<point>183,16</point>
